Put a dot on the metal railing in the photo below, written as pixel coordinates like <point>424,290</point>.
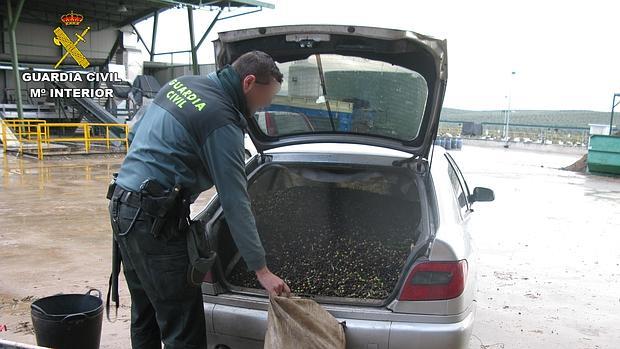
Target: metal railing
<point>19,131</point>
<point>40,132</point>
<point>23,129</point>
<point>522,132</point>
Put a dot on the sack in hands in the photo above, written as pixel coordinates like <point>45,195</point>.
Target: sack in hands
<point>301,323</point>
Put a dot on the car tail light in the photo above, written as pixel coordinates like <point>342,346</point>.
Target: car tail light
<point>430,281</point>
<point>271,127</point>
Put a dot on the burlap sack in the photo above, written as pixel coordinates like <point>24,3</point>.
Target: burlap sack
<point>301,323</point>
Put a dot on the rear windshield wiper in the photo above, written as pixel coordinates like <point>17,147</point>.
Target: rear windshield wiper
<point>322,77</point>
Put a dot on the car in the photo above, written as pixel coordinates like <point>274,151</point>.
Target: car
<point>378,189</point>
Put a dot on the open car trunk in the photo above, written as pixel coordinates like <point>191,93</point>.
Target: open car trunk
<point>336,233</point>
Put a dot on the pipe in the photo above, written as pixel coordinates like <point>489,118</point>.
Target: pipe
<point>190,18</point>
<point>204,36</point>
<point>155,17</point>
<point>13,19</point>
<point>613,106</point>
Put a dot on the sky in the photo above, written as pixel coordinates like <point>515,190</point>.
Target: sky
<point>565,55</point>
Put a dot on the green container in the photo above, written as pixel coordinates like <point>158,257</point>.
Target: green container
<point>604,154</point>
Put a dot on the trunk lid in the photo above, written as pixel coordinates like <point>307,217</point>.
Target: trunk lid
<point>347,84</point>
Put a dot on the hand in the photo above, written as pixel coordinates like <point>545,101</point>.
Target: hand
<point>273,284</point>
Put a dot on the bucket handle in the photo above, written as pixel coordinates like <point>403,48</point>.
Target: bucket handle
<point>69,317</point>
<point>94,289</point>
<point>76,316</point>
<point>39,309</point>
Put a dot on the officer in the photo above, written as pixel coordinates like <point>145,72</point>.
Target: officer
<point>190,138</point>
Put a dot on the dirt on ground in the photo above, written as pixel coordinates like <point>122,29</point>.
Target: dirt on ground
<point>580,165</point>
<point>549,261</point>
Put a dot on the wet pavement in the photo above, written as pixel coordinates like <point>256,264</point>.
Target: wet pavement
<point>549,246</point>
<point>54,237</point>
<point>549,252</point>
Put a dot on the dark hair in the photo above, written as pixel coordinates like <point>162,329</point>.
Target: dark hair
<point>259,64</point>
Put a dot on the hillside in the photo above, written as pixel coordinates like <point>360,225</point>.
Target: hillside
<point>558,118</point>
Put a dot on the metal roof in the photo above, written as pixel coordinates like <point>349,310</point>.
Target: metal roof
<point>102,14</point>
<point>106,14</point>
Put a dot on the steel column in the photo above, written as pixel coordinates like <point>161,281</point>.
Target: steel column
<point>13,19</point>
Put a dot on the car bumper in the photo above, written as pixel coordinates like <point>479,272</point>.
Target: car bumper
<point>236,327</point>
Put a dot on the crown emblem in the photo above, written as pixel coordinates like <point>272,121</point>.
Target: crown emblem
<point>72,18</point>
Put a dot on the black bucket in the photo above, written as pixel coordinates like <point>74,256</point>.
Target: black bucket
<point>67,321</point>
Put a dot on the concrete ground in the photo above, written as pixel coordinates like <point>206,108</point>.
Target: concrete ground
<point>548,246</point>
<point>549,252</point>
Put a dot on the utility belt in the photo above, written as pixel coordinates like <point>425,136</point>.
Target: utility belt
<point>133,199</point>
<point>170,209</point>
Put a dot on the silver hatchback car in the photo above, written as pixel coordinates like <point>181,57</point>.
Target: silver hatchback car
<point>365,180</point>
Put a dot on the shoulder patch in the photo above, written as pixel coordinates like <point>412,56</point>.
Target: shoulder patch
<point>180,95</point>
<point>199,104</point>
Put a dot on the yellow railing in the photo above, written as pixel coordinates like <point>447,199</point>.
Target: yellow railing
<point>39,132</point>
<point>24,130</point>
<point>18,132</point>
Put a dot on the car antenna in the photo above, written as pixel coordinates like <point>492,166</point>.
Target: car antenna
<point>322,77</point>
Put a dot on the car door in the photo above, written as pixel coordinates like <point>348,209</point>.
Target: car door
<point>460,188</point>
<point>461,195</point>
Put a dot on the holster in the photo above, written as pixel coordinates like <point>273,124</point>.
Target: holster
<point>111,186</point>
<point>201,254</point>
<point>170,209</point>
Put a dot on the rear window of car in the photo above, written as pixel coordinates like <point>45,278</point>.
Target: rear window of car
<point>353,95</point>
